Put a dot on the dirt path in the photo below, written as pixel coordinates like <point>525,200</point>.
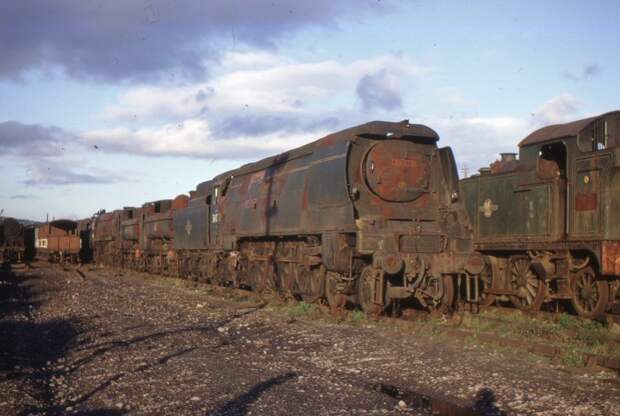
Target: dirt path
<point>103,344</point>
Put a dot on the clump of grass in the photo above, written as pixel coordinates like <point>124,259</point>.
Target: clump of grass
<point>572,357</point>
<point>590,333</point>
<point>242,298</point>
<point>301,309</point>
<point>357,318</point>
<point>574,336</point>
<point>433,325</point>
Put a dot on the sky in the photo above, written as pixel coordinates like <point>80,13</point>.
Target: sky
<point>111,104</point>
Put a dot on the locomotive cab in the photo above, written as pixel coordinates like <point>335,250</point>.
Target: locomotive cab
<point>582,157</point>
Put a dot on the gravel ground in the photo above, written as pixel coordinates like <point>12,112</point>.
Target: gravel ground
<point>109,344</point>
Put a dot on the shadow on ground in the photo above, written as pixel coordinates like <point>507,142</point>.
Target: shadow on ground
<point>28,347</point>
<point>239,406</point>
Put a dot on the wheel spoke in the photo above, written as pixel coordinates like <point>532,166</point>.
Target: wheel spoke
<point>529,299</point>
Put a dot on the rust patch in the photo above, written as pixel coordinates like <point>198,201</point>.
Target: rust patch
<point>502,166</point>
<point>404,163</point>
<point>251,203</point>
<point>610,258</point>
<point>548,169</point>
<point>394,178</point>
<point>180,202</point>
<point>256,177</point>
<point>586,202</point>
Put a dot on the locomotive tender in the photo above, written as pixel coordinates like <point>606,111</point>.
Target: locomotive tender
<point>370,214</point>
<point>548,224</point>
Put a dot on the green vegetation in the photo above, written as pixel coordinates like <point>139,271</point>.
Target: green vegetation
<point>573,358</point>
<point>357,318</point>
<point>301,309</point>
<point>573,336</point>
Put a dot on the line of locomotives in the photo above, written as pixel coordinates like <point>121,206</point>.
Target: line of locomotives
<point>375,215</point>
<point>57,241</point>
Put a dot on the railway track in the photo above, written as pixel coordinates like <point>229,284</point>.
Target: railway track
<point>607,319</point>
<point>500,316</point>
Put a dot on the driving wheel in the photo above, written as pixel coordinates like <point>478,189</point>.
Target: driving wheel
<point>530,290</point>
<point>366,289</point>
<point>588,295</point>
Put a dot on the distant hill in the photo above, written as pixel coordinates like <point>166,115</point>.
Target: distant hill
<point>25,223</point>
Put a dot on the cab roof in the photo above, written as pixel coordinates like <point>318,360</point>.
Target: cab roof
<point>558,131</point>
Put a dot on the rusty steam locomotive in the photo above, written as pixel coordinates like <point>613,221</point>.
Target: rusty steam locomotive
<point>548,223</point>
<point>375,215</point>
<point>369,215</point>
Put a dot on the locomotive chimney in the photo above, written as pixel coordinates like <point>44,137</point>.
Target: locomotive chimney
<point>508,157</point>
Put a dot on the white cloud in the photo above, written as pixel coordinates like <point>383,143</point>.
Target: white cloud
<point>282,87</point>
<point>559,109</point>
<point>251,112</point>
<point>158,103</point>
<point>477,141</point>
<point>194,138</point>
<point>249,59</point>
<point>247,111</point>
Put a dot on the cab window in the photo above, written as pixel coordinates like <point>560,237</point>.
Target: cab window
<point>595,138</point>
<point>552,160</point>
